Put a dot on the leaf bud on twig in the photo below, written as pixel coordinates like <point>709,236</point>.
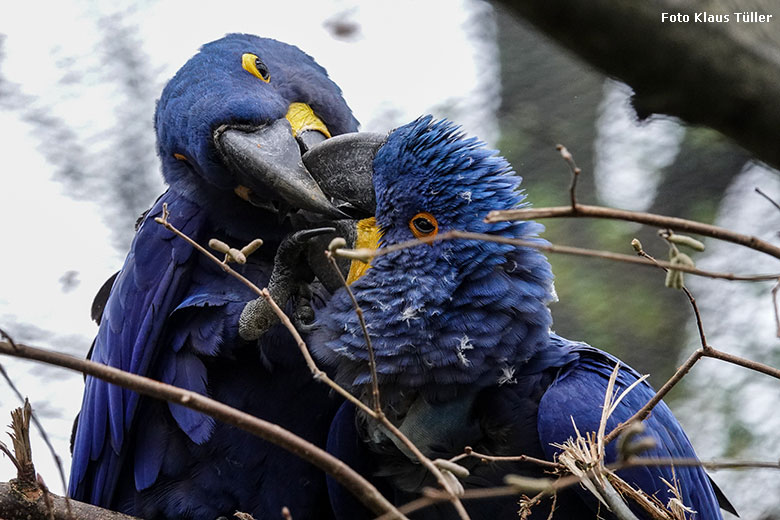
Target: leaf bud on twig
<point>528,484</point>
<point>685,240</point>
<point>453,467</point>
<point>252,246</point>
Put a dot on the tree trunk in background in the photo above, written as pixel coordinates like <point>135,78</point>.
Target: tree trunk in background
<point>550,97</point>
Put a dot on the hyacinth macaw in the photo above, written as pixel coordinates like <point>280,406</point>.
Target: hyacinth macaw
<point>231,126</point>
<point>461,331</point>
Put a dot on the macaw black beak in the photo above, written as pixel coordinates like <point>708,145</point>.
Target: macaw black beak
<point>344,167</point>
<point>268,159</point>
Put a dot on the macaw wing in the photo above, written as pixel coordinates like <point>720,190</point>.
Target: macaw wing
<point>577,396</point>
<point>143,295</point>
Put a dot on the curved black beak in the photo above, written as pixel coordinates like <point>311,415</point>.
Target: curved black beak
<point>268,160</point>
<point>344,167</point>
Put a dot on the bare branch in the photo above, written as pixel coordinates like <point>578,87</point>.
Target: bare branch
<point>468,452</point>
<point>25,506</point>
<point>651,219</point>
<point>704,350</point>
<point>767,197</point>
<point>366,254</point>
<point>223,264</point>
<point>346,476</point>
<point>575,173</point>
<point>745,363</point>
<point>434,496</point>
<point>777,312</point>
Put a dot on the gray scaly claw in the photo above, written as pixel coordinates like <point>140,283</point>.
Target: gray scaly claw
<point>291,272</point>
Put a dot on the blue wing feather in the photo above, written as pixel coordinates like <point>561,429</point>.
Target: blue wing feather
<point>578,392</point>
<point>189,373</point>
<point>150,447</point>
<point>141,299</point>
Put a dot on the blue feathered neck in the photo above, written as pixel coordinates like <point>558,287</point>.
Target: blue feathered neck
<point>449,314</point>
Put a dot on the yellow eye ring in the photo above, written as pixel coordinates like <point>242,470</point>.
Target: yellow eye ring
<point>424,225</point>
<point>255,66</point>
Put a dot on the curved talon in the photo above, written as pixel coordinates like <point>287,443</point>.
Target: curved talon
<point>295,242</point>
<point>303,316</point>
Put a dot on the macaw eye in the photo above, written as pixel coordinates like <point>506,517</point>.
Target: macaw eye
<point>255,66</point>
<point>424,225</point>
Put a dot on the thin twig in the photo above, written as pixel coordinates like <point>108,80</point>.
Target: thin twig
<point>318,374</point>
<point>659,221</point>
<point>10,454</point>
<point>371,356</point>
<point>643,412</point>
<point>351,480</point>
<point>777,312</point>
<point>221,263</point>
<point>575,173</point>
<point>767,197</point>
<point>366,254</point>
<point>635,462</point>
<point>704,350</point>
<point>468,452</point>
<point>46,498</point>
<point>433,496</point>
<point>379,414</point>
<point>699,325</point>
<point>745,363</point>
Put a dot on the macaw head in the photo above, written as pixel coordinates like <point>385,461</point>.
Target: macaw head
<point>236,117</point>
<point>448,313</point>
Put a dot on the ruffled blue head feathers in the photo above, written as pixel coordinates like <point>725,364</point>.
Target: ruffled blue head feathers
<point>453,313</point>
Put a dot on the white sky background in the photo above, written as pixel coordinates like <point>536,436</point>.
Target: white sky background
<point>407,58</point>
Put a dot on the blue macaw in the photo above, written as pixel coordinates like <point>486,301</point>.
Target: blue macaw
<point>231,126</point>
<point>464,351</point>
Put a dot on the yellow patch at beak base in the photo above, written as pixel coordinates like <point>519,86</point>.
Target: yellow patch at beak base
<point>368,236</point>
<point>302,118</point>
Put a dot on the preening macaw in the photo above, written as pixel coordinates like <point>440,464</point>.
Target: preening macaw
<point>231,126</point>
<point>464,351</point>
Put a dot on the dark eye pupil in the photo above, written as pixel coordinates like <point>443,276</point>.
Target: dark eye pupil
<point>261,68</point>
<point>423,225</point>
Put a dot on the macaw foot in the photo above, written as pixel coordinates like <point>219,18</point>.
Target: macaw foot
<point>303,312</point>
<point>291,276</point>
